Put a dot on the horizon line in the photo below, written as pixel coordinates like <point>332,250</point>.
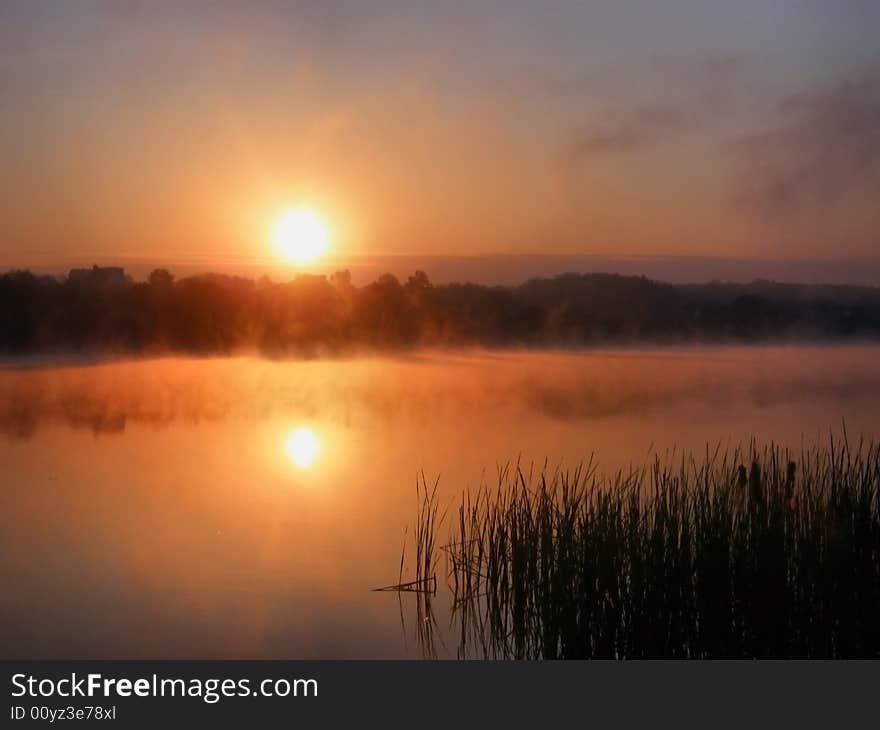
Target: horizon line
<point>310,271</point>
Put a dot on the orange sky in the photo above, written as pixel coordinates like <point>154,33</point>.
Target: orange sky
<point>146,132</point>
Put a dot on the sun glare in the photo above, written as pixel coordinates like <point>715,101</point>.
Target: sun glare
<point>300,235</point>
<point>303,446</point>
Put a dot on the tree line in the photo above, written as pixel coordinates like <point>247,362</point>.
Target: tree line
<point>322,315</point>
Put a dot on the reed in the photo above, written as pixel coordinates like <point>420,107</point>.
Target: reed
<point>760,552</point>
<point>425,578</point>
<point>424,583</point>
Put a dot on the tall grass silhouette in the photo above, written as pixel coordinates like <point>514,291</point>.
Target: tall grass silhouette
<point>748,553</point>
<point>424,584</point>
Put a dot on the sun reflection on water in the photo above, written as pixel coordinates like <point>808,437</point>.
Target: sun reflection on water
<point>302,446</point>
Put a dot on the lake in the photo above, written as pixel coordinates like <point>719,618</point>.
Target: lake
<point>245,508</point>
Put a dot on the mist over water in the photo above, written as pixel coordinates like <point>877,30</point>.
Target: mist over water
<point>431,386</point>
<point>244,507</point>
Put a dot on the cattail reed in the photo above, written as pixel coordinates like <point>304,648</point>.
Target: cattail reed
<point>755,553</point>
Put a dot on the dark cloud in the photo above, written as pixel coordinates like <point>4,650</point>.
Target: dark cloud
<point>826,146</point>
<point>695,93</point>
<point>630,130</point>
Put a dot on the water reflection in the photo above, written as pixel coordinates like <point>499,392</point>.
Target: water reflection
<point>110,398</point>
<point>303,446</point>
<point>262,500</point>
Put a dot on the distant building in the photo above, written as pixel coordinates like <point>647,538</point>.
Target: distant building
<point>106,277</point>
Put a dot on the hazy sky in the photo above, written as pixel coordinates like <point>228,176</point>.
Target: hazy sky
<point>174,131</point>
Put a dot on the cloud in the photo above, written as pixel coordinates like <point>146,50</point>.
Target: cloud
<point>696,92</point>
<point>630,130</point>
<point>825,146</point>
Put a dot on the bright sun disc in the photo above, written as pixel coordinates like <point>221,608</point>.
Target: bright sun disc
<point>300,236</point>
<point>303,446</point>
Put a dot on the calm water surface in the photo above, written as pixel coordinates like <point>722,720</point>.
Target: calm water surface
<point>245,508</point>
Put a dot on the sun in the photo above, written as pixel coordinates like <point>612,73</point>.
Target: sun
<point>300,235</point>
<point>303,446</point>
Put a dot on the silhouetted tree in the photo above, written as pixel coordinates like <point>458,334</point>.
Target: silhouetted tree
<point>161,279</point>
<point>101,309</point>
